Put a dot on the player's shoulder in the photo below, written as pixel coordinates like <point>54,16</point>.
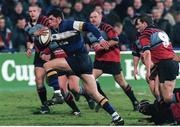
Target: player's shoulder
<point>105,26</point>
<point>152,29</point>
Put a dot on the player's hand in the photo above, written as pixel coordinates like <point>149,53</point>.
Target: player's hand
<point>45,57</point>
<point>104,44</point>
<point>97,47</point>
<point>29,52</point>
<point>42,31</point>
<point>135,73</point>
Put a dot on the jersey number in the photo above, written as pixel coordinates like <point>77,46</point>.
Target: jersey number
<point>164,37</point>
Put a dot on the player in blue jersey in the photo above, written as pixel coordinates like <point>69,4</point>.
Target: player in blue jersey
<point>77,59</point>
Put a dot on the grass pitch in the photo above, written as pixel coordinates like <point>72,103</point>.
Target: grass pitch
<point>19,101</point>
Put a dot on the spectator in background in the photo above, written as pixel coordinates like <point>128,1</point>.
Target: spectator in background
<point>18,12</point>
<point>62,3</point>
<point>176,31</point>
<point>166,15</point>
<point>109,15</point>
<point>128,26</point>
<point>88,8</point>
<point>7,7</point>
<point>160,22</point>
<point>124,43</point>
<point>67,11</point>
<point>78,12</point>
<point>121,8</point>
<point>139,7</point>
<point>53,4</point>
<point>99,9</point>
<point>19,35</point>
<point>5,36</point>
<point>41,3</point>
<point>97,2</point>
<point>168,4</point>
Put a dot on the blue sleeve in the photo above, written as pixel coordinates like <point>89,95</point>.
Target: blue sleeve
<point>91,28</point>
<point>68,25</point>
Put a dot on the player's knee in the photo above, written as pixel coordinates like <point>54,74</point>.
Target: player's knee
<point>39,80</point>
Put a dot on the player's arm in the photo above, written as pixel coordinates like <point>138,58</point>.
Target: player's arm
<point>82,26</point>
<point>145,43</point>
<point>147,62</point>
<point>112,35</point>
<point>136,58</point>
<point>29,45</point>
<point>176,58</point>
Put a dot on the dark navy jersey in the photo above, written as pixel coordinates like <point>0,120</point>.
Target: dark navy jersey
<point>74,42</point>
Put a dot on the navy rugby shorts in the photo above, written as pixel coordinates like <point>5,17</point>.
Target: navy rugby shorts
<point>80,63</point>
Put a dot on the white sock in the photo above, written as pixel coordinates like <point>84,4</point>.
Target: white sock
<point>115,116</point>
<point>57,91</point>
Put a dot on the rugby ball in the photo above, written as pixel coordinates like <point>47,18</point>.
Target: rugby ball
<point>45,39</point>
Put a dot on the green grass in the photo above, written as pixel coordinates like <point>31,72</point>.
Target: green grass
<point>19,101</point>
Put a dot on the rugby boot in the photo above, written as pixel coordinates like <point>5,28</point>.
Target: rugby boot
<point>135,105</point>
<point>56,99</point>
<point>43,110</point>
<point>76,113</point>
<point>117,122</point>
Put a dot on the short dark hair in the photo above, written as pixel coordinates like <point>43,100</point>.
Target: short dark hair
<point>56,12</point>
<point>144,18</point>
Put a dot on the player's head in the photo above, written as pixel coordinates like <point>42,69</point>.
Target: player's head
<point>34,11</point>
<point>55,17</point>
<point>142,22</point>
<point>95,18</point>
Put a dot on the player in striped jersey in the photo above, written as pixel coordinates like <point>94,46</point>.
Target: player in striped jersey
<point>156,47</point>
<point>37,21</point>
<point>108,60</point>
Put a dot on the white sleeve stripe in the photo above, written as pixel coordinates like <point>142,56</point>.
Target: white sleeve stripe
<point>78,25</point>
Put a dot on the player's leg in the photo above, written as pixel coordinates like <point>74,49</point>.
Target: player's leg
<point>97,73</point>
<point>89,81</point>
<point>154,87</point>
<point>41,90</point>
<point>90,87</point>
<point>40,72</point>
<point>99,66</point>
<point>167,72</point>
<point>73,82</point>
<point>52,76</point>
<point>63,80</point>
<point>119,78</point>
<point>73,86</point>
<point>167,90</point>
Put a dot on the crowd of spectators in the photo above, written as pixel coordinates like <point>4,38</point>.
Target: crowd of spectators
<point>119,13</point>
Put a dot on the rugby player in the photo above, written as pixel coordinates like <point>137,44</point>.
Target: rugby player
<point>108,60</point>
<point>32,41</point>
<point>64,78</point>
<point>77,59</point>
<point>157,48</point>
